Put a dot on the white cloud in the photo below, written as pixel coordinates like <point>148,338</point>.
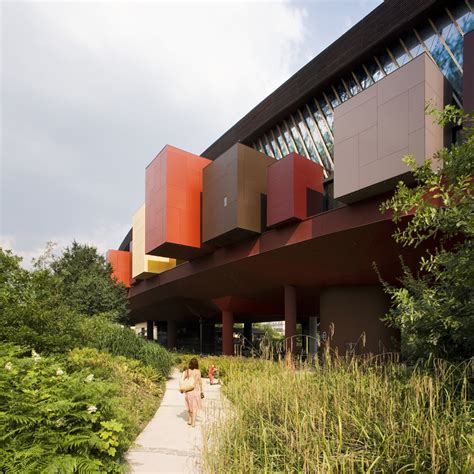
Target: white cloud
<point>91,91</point>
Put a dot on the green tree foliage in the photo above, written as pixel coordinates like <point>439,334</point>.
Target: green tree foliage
<point>84,281</point>
<point>434,307</point>
<point>34,312</point>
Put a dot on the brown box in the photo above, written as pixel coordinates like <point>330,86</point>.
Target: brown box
<point>376,128</point>
<point>233,188</point>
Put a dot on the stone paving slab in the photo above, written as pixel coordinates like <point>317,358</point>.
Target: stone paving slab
<point>168,444</point>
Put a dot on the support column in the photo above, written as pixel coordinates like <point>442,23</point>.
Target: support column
<point>248,334</point>
<point>313,331</point>
<point>172,334</point>
<point>290,317</point>
<point>149,330</point>
<point>304,334</point>
<point>227,332</point>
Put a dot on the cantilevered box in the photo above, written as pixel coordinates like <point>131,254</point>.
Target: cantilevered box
<point>143,265</point>
<point>295,189</point>
<point>121,262</point>
<point>234,187</point>
<point>376,128</point>
<point>173,204</point>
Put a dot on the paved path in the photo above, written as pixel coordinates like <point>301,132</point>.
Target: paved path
<point>168,443</point>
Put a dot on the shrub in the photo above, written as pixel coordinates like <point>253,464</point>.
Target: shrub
<point>104,335</point>
<point>72,414</point>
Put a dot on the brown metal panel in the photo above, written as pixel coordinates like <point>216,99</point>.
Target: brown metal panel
<point>231,198</point>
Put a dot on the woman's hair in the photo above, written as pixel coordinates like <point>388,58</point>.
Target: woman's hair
<point>193,364</point>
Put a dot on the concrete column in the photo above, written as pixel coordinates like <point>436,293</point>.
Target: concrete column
<point>248,333</point>
<point>149,330</point>
<point>227,332</point>
<point>290,317</point>
<point>350,320</point>
<point>313,330</point>
<point>172,334</point>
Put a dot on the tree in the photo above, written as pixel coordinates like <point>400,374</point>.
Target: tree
<point>32,311</point>
<point>434,307</point>
<point>85,283</point>
<point>47,308</point>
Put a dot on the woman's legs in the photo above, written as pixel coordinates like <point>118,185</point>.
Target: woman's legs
<point>190,417</point>
<point>193,418</point>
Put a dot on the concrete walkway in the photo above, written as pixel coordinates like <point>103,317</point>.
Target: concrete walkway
<point>168,443</point>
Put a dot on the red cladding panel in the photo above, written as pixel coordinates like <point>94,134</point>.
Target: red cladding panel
<point>121,263</point>
<point>173,204</point>
<point>287,182</point>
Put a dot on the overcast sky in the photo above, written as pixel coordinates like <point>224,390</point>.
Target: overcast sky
<point>91,91</point>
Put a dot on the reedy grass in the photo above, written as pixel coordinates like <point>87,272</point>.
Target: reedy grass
<point>343,415</point>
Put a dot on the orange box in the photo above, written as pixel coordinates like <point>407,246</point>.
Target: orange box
<point>173,204</point>
<point>121,262</point>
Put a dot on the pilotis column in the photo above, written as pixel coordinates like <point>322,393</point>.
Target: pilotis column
<point>172,334</point>
<point>248,334</point>
<point>149,330</point>
<point>290,317</point>
<point>227,332</point>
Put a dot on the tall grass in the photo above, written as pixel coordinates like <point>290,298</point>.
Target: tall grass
<point>343,416</point>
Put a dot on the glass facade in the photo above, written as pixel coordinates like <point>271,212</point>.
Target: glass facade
<point>308,130</point>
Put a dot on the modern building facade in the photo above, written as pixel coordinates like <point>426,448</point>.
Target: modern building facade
<point>279,218</point>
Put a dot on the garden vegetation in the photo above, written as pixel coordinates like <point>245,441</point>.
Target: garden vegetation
<point>342,415</point>
<point>76,387</point>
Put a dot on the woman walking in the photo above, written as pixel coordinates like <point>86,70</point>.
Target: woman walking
<point>193,397</point>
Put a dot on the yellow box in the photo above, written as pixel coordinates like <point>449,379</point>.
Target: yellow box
<point>143,265</point>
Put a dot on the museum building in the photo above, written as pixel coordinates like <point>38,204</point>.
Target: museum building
<point>278,219</point>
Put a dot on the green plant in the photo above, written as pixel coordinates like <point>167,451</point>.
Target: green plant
<point>103,334</point>
<point>344,415</point>
<point>34,313</point>
<point>434,307</point>
<point>70,414</point>
<point>31,312</point>
<point>84,281</point>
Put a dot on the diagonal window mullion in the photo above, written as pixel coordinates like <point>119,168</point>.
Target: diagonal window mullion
<point>324,118</point>
<point>282,135</point>
<point>446,46</point>
<point>456,24</point>
<point>323,142</point>
<point>303,121</point>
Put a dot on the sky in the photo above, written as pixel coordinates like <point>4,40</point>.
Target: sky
<point>92,91</point>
